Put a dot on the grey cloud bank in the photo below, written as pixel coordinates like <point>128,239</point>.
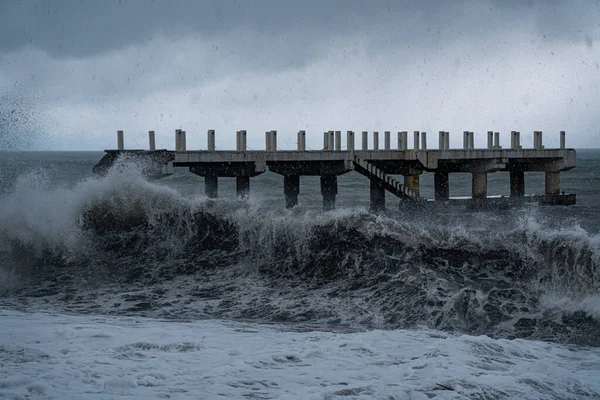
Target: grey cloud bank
<point>73,72</point>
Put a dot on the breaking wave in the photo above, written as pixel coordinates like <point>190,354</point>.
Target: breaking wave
<point>122,245</point>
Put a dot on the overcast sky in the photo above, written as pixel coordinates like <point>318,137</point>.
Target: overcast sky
<point>74,72</point>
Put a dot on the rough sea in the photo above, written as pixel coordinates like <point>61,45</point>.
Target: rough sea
<point>121,287</point>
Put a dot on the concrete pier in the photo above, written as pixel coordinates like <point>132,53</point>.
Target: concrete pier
<point>379,166</point>
<point>479,185</point>
<point>517,183</point>
<point>329,191</point>
<point>441,185</point>
<point>552,183</point>
<point>242,186</point>
<point>211,186</point>
<point>291,189</point>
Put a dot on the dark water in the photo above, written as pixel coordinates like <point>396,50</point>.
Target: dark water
<point>123,245</point>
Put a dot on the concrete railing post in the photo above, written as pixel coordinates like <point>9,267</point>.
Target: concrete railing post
<point>325,141</point>
<point>490,140</point>
<point>386,140</point>
<point>365,140</point>
<point>471,140</point>
<point>515,140</point>
<point>416,140</point>
<point>210,140</point>
<point>244,139</point>
<point>301,140</point>
<point>120,141</point>
<point>183,141</point>
<point>178,141</point>
<point>330,140</point>
<point>273,140</point>
<point>496,140</point>
<point>152,140</point>
<point>350,141</point>
<point>402,136</point>
<point>465,140</point>
<point>447,140</point>
<point>238,140</point>
<point>562,139</point>
<point>424,140</point>
<point>537,140</point>
<point>375,140</point>
<point>338,140</point>
<point>442,140</point>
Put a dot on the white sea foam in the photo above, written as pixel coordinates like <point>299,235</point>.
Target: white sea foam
<point>62,356</point>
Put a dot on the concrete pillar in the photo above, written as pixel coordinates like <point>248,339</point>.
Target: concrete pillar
<point>183,141</point>
<point>552,183</point>
<point>178,140</point>
<point>120,141</point>
<point>386,140</point>
<point>402,142</point>
<point>301,140</point>
<point>465,140</point>
<point>411,182</point>
<point>238,143</point>
<point>243,139</point>
<point>562,139</point>
<point>211,186</point>
<point>330,141</point>
<point>537,140</point>
<point>329,191</point>
<point>338,140</point>
<point>375,140</point>
<point>365,140</point>
<point>517,183</point>
<point>496,140</point>
<point>424,140</point>
<point>291,188</point>
<point>273,140</point>
<point>242,186</point>
<point>350,141</point>
<point>211,140</point>
<point>377,196</point>
<point>479,185</point>
<point>513,140</point>
<point>471,140</point>
<point>442,140</point>
<point>416,140</point>
<point>152,140</point>
<point>325,141</point>
<point>490,140</point>
<point>441,184</point>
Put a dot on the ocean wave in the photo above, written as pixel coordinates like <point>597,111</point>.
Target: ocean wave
<point>121,244</point>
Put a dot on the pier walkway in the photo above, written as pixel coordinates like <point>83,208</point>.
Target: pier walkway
<point>379,165</point>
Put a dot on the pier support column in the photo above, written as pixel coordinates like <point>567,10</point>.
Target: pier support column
<point>412,182</point>
<point>291,188</point>
<point>517,183</point>
<point>242,186</point>
<point>211,186</point>
<point>552,183</point>
<point>328,190</point>
<point>479,185</point>
<point>442,187</point>
<point>377,196</point>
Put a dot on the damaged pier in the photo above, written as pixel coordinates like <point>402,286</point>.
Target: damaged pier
<point>380,165</point>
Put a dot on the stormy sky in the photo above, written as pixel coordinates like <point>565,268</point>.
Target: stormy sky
<point>73,72</point>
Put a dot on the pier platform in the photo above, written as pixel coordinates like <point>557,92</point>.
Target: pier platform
<point>380,165</point>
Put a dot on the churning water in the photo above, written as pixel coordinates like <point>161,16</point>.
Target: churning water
<point>117,286</point>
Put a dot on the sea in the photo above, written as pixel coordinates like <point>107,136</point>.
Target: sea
<point>121,287</point>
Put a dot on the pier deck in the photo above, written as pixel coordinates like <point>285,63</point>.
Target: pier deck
<point>377,164</point>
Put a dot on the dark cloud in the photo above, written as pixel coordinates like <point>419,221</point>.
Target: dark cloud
<point>86,27</point>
